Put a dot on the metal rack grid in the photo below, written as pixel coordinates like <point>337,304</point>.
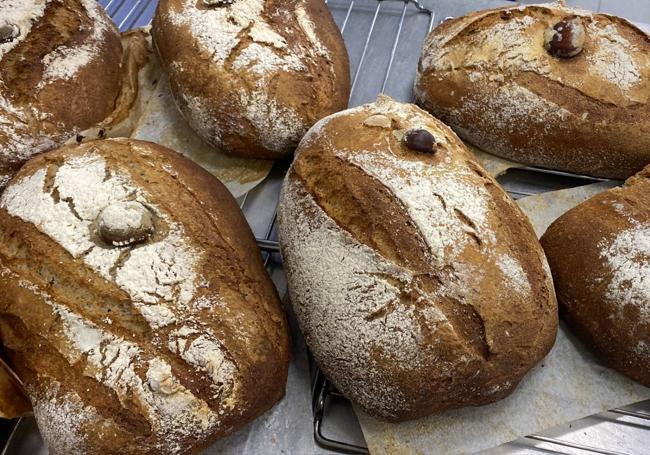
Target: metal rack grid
<point>129,14</point>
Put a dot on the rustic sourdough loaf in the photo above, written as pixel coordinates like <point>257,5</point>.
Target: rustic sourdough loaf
<point>599,254</point>
<point>135,306</point>
<point>544,85</point>
<point>419,285</point>
<point>59,74</point>
<point>251,76</point>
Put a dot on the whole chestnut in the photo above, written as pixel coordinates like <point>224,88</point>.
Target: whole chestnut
<point>566,38</point>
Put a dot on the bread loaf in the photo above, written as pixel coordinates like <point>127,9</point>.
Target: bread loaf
<point>59,74</point>
<point>135,306</point>
<point>251,76</point>
<point>599,254</point>
<point>544,85</point>
<point>419,285</point>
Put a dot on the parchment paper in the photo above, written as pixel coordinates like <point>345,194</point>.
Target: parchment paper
<point>492,163</point>
<point>567,385</point>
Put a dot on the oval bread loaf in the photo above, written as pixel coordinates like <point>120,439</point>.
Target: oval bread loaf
<point>544,85</point>
<point>251,76</point>
<point>419,285</point>
<point>599,254</point>
<point>156,344</point>
<point>59,74</point>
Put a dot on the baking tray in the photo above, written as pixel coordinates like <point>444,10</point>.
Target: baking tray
<point>384,40</point>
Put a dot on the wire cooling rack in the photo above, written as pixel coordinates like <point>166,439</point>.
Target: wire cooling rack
<point>383,38</point>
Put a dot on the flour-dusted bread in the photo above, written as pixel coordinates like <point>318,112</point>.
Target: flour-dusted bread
<point>599,253</point>
<point>251,76</point>
<point>419,284</point>
<point>135,306</point>
<point>544,85</point>
<point>59,74</point>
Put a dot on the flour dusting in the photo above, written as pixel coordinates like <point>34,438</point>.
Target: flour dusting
<point>159,271</point>
<point>160,276</point>
<point>422,190</point>
<point>64,62</point>
<point>514,273</point>
<point>335,288</point>
<point>628,256</point>
<point>613,59</point>
<point>63,418</point>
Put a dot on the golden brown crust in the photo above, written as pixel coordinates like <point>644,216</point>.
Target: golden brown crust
<point>226,341</point>
<point>419,285</point>
<point>60,75</point>
<point>599,253</point>
<point>587,114</point>
<point>253,76</point>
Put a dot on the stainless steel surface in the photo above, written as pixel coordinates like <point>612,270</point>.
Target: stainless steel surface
<point>384,40</point>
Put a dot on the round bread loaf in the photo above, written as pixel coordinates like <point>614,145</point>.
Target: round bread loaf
<point>544,85</point>
<point>419,284</point>
<point>599,253</point>
<point>158,344</point>
<point>251,76</point>
<point>59,74</point>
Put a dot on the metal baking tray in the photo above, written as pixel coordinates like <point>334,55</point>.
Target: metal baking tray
<point>383,38</point>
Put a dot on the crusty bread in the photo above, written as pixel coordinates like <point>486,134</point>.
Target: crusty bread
<point>419,284</point>
<point>599,253</point>
<point>156,347</point>
<point>489,76</point>
<point>59,74</point>
<point>251,76</point>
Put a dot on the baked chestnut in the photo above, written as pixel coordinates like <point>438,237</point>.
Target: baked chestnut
<point>8,32</point>
<point>566,38</point>
<point>125,223</point>
<point>420,140</point>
